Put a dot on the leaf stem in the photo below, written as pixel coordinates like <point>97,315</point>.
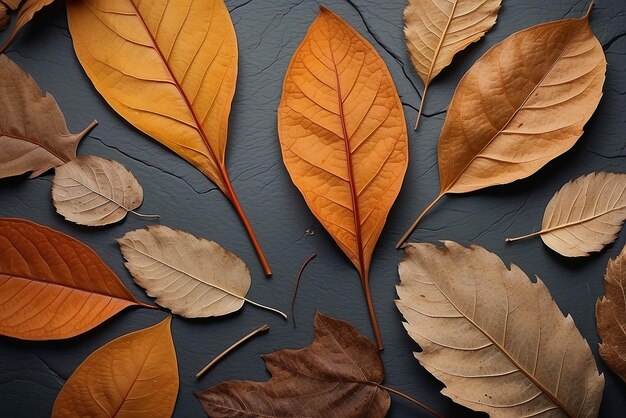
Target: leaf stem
<point>534,234</point>
<point>141,215</point>
<point>419,112</point>
<point>370,309</point>
<point>295,291</point>
<point>261,329</point>
<point>419,218</point>
<point>266,307</point>
<point>407,397</point>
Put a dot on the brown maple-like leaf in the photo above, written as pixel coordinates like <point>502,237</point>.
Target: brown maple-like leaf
<point>33,134</point>
<point>338,375</point>
<point>611,315</point>
<point>26,13</point>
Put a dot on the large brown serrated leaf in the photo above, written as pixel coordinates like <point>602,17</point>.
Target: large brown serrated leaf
<point>611,315</point>
<point>522,104</point>
<point>53,286</point>
<point>33,133</point>
<point>135,375</point>
<point>192,277</point>
<point>26,13</point>
<point>343,137</point>
<point>95,191</point>
<point>497,341</point>
<point>585,215</point>
<point>436,30</point>
<point>169,68</point>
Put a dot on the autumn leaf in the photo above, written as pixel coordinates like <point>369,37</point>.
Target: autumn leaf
<point>338,375</point>
<point>343,138</point>
<point>11,4</point>
<point>522,104</point>
<point>26,13</point>
<point>585,215</point>
<point>497,341</point>
<point>436,30</point>
<point>53,286</point>
<point>170,69</point>
<point>192,277</point>
<point>5,19</point>
<point>33,134</point>
<point>95,191</point>
<point>611,315</point>
<point>135,375</point>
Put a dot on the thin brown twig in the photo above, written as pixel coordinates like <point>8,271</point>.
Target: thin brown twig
<point>295,291</point>
<point>408,398</point>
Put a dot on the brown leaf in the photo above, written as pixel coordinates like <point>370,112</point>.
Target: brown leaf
<point>95,191</point>
<point>26,13</point>
<point>522,104</point>
<point>585,215</point>
<point>53,286</point>
<point>12,4</point>
<point>33,133</point>
<point>436,30</point>
<point>497,341</point>
<point>170,69</point>
<point>343,137</point>
<point>5,19</point>
<point>135,375</point>
<point>611,315</point>
<point>190,276</point>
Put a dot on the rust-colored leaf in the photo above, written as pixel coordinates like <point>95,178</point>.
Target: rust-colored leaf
<point>343,137</point>
<point>611,315</point>
<point>169,68</point>
<point>26,13</point>
<point>33,134</point>
<point>522,104</point>
<point>53,286</point>
<point>135,375</point>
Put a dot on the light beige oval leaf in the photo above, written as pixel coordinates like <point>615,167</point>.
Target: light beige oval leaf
<point>94,191</point>
<point>436,30</point>
<point>497,341</point>
<point>192,277</point>
<point>585,215</point>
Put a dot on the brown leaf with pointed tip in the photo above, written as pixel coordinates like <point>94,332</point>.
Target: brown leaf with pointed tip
<point>611,315</point>
<point>53,286</point>
<point>33,133</point>
<point>435,30</point>
<point>135,375</point>
<point>497,341</point>
<point>26,13</point>
<point>585,215</point>
<point>522,104</point>
<point>169,68</point>
<point>343,137</point>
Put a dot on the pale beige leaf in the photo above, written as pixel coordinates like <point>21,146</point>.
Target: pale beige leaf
<point>33,133</point>
<point>192,277</point>
<point>497,341</point>
<point>611,315</point>
<point>585,215</point>
<point>95,191</point>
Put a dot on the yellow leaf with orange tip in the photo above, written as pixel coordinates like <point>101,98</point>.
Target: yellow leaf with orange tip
<point>135,375</point>
<point>343,137</point>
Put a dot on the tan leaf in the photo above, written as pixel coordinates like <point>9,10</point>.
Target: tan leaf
<point>611,315</point>
<point>95,191</point>
<point>135,375</point>
<point>522,104</point>
<point>33,133</point>
<point>585,215</point>
<point>436,30</point>
<point>26,13</point>
<point>343,137</point>
<point>169,68</point>
<point>192,277</point>
<point>497,341</point>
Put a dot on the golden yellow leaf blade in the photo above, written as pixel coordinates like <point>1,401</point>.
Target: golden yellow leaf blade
<point>135,375</point>
<point>497,341</point>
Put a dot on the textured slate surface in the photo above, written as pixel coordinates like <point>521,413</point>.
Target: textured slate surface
<point>31,374</point>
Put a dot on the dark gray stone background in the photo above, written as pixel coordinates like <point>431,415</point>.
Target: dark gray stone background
<point>32,373</point>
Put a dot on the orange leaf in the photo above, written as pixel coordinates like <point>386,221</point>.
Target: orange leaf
<point>53,286</point>
<point>135,375</point>
<point>170,69</point>
<point>343,137</point>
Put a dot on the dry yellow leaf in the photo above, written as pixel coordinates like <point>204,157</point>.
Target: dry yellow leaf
<point>343,137</point>
<point>436,30</point>
<point>497,341</point>
<point>522,104</point>
<point>585,215</point>
<point>169,68</point>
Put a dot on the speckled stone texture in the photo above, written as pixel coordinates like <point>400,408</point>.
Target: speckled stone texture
<point>31,374</point>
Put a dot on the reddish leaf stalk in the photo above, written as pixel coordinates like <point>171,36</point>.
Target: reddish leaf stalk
<point>295,291</point>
